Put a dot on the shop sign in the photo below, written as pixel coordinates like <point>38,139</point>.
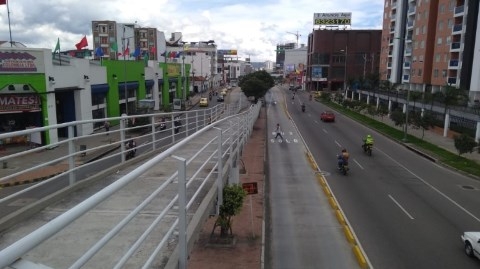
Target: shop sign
<point>21,61</point>
<point>336,18</point>
<point>23,102</point>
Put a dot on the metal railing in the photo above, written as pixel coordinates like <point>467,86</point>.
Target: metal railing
<point>198,180</point>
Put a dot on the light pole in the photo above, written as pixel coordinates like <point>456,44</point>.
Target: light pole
<point>345,73</point>
<point>125,70</point>
<point>406,116</point>
<point>184,88</point>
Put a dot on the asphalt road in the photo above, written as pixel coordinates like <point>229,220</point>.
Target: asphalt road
<point>407,211</point>
<point>302,229</point>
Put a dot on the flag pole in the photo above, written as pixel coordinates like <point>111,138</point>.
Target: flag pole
<point>9,28</point>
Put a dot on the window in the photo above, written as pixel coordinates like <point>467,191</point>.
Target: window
<point>444,73</point>
<point>422,44</point>
<point>439,41</point>
<point>437,57</point>
<point>104,40</point>
<point>442,8</point>
<point>435,73</point>
<point>419,72</point>
<point>450,23</point>
<point>452,4</point>
<point>448,40</point>
<point>417,31</point>
<point>424,29</point>
<point>103,29</point>
<point>440,25</point>
<point>420,58</point>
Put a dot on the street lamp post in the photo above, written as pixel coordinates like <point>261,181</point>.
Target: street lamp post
<point>125,70</point>
<point>345,71</point>
<point>405,133</point>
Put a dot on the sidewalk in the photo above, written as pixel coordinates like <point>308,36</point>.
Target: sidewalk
<point>247,226</point>
<point>41,156</point>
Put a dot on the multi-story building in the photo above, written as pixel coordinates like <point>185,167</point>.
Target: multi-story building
<point>280,54</point>
<point>425,45</point>
<point>341,58</point>
<point>294,65</point>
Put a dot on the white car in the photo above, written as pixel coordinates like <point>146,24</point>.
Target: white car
<point>471,240</point>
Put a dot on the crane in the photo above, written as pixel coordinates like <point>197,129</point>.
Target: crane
<point>296,34</point>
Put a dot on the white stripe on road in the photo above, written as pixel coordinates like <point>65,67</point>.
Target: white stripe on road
<point>338,144</point>
<point>401,207</point>
<point>361,167</point>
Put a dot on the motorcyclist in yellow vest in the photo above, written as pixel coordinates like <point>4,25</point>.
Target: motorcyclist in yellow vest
<point>368,140</point>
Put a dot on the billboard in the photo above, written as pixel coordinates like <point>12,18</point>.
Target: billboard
<point>21,61</point>
<point>318,73</point>
<point>227,52</point>
<point>338,18</point>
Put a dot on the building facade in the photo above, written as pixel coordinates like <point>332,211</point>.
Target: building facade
<point>280,54</point>
<point>295,65</point>
<point>425,45</point>
<point>341,58</point>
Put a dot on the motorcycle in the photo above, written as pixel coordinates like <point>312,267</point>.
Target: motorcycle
<point>303,108</point>
<point>177,123</point>
<point>131,147</point>
<point>367,148</point>
<point>342,166</point>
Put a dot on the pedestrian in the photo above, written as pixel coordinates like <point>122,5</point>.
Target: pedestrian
<point>107,127</point>
<point>279,132</point>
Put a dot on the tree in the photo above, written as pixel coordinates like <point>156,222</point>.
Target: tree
<point>424,122</point>
<point>256,84</point>
<point>398,117</point>
<point>415,96</point>
<point>449,96</point>
<point>464,144</point>
<point>233,196</point>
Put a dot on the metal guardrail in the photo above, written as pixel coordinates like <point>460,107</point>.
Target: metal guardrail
<point>208,168</point>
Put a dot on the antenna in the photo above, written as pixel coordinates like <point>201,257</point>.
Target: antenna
<point>296,34</point>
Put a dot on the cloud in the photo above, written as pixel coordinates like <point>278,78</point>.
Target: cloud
<point>252,27</point>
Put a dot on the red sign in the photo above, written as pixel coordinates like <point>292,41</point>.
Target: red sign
<point>250,187</point>
<point>23,102</point>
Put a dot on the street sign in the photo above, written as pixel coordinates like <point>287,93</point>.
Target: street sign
<point>250,187</point>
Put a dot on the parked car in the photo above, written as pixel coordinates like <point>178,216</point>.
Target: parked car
<point>203,102</point>
<point>471,241</point>
<point>327,116</point>
<point>220,98</point>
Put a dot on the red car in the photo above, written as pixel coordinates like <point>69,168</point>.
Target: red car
<point>327,116</point>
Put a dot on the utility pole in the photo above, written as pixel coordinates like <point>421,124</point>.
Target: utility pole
<point>297,35</point>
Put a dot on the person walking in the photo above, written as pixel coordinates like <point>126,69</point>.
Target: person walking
<point>107,127</point>
<point>279,132</point>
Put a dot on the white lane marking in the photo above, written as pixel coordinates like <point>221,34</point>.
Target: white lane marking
<point>325,131</point>
<point>433,188</point>
<point>401,207</point>
<point>361,167</point>
<point>315,121</point>
<point>338,144</point>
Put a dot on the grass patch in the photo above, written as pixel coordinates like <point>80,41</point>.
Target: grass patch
<point>443,156</point>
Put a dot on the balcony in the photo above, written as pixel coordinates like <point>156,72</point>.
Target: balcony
<point>457,28</point>
<point>411,10</point>
<point>389,64</point>
<point>455,46</point>
<point>406,78</point>
<point>452,81</point>
<point>410,24</point>
<point>406,65</point>
<point>408,51</point>
<point>459,11</point>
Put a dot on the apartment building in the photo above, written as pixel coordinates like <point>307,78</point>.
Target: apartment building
<point>425,45</point>
<point>280,54</point>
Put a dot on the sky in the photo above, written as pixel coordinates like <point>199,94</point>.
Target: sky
<point>252,27</point>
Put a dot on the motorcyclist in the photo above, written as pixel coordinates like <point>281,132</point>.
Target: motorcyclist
<point>368,140</point>
<point>131,146</point>
<point>177,123</point>
<point>343,158</point>
<point>303,107</point>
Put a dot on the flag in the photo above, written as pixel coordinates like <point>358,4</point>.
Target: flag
<point>3,2</point>
<point>99,52</point>
<point>114,46</point>
<point>136,53</point>
<point>126,52</point>
<point>146,57</point>
<point>82,44</point>
<point>57,47</point>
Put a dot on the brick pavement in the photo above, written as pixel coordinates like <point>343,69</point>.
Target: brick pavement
<point>247,226</point>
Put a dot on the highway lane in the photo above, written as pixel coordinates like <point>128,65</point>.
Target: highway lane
<point>302,229</point>
<point>408,212</point>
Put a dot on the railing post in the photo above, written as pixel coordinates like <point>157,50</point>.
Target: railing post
<point>196,120</point>
<point>71,159</point>
<point>122,138</point>
<point>153,134</point>
<point>220,172</point>
<point>182,212</point>
<point>186,123</point>
<point>173,128</point>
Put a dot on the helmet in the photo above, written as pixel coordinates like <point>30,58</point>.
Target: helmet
<point>344,150</point>
<point>369,136</point>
